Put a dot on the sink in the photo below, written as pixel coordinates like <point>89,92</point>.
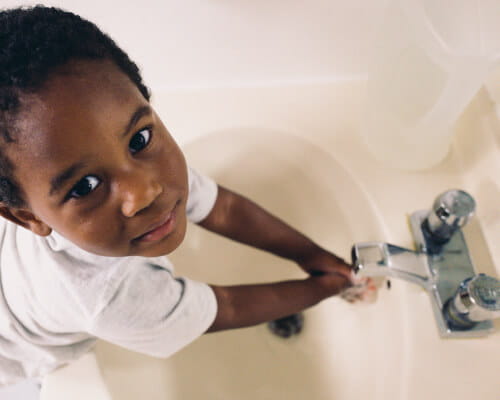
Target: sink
<point>345,351</point>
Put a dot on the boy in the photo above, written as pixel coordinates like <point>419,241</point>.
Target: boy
<point>95,192</point>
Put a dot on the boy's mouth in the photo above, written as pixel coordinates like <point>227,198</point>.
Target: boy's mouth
<point>160,229</point>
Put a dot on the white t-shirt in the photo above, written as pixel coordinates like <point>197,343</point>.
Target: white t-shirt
<point>57,299</point>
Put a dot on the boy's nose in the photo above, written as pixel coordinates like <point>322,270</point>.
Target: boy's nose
<point>138,194</point>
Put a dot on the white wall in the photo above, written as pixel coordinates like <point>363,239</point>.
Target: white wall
<point>192,43</point>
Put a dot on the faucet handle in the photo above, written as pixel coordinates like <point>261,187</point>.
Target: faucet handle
<point>451,210</point>
<point>477,299</point>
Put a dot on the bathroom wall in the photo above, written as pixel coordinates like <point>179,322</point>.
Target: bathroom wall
<point>194,43</point>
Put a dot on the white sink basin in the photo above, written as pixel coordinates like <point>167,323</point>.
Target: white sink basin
<point>345,352</point>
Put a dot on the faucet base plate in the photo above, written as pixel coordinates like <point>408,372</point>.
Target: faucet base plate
<point>446,275</point>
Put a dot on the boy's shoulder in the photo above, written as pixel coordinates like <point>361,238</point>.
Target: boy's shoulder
<point>57,280</point>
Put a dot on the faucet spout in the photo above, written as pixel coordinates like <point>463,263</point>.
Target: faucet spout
<point>375,259</point>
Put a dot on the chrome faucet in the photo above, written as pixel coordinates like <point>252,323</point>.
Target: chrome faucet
<point>464,303</point>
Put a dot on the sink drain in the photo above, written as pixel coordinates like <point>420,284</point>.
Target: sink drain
<point>287,327</point>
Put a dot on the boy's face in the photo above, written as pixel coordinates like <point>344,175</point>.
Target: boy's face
<point>97,165</point>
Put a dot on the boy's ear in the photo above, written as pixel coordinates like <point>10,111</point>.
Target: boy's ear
<point>26,219</point>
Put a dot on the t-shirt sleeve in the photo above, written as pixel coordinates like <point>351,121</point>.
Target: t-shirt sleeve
<point>202,196</point>
<point>148,310</point>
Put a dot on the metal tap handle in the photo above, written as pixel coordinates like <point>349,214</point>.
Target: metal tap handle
<point>451,210</point>
<point>477,299</point>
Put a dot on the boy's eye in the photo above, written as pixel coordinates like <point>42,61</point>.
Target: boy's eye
<point>140,140</point>
<point>85,186</point>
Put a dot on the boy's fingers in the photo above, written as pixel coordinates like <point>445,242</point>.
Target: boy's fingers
<point>362,289</point>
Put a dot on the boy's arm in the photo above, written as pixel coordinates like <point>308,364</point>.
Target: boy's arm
<point>248,305</point>
<point>240,219</point>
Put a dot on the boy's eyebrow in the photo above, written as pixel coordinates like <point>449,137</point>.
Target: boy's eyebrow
<point>57,182</point>
<point>136,116</point>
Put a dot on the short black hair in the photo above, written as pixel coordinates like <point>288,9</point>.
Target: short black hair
<point>34,42</point>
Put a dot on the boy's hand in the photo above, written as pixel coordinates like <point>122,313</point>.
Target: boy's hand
<point>324,263</point>
<point>362,289</point>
